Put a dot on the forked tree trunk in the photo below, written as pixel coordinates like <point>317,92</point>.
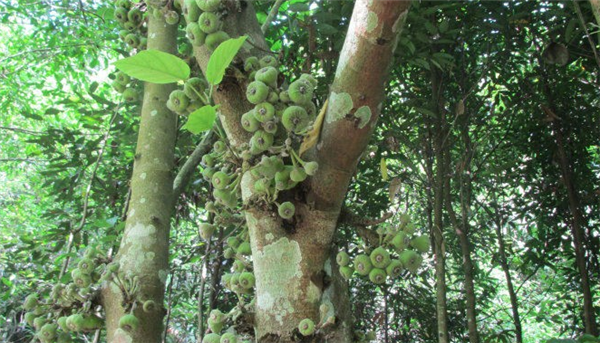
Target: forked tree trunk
<point>144,251</point>
<point>292,265</point>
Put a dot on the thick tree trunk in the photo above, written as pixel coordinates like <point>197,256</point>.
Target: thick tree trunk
<point>514,302</point>
<point>292,263</point>
<point>143,254</point>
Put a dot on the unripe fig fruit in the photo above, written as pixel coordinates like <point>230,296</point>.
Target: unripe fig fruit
<point>286,210</point>
<point>257,92</point>
<point>306,327</point>
<point>380,258</point>
<point>362,264</point>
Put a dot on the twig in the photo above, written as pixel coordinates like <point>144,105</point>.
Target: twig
<point>42,50</point>
<point>200,334</point>
<point>28,160</point>
<point>19,130</point>
<point>271,16</point>
<point>347,217</point>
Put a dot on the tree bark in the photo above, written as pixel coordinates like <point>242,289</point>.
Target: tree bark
<point>438,203</point>
<point>514,302</point>
<point>577,231</point>
<point>143,254</point>
<point>292,265</point>
<point>577,219</point>
<point>461,227</point>
<point>596,9</point>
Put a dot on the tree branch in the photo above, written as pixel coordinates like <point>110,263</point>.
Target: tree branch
<point>356,98</point>
<point>185,173</point>
<point>271,16</point>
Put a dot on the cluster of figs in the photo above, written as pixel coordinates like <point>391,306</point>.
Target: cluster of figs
<point>70,308</point>
<point>400,249</point>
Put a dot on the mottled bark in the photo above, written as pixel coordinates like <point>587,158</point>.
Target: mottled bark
<point>292,260</point>
<point>143,253</point>
<point>461,230</point>
<point>230,95</point>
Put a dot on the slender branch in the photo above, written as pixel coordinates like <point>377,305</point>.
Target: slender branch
<point>19,130</point>
<point>42,50</point>
<point>87,195</point>
<point>28,160</point>
<point>350,218</point>
<point>587,33</point>
<point>185,173</point>
<point>271,16</point>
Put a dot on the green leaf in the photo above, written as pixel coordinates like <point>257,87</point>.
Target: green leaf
<point>299,7</point>
<point>221,58</point>
<point>155,66</point>
<point>7,282</point>
<point>201,119</point>
<point>384,170</point>
<point>326,29</point>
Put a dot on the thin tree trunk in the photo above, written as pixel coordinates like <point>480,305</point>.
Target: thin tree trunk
<point>144,251</point>
<point>467,265</point>
<point>596,10</point>
<point>577,220</point>
<point>514,302</point>
<point>438,204</point>
<point>466,185</point>
<point>589,314</point>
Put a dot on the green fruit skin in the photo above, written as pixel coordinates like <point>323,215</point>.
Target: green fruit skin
<point>380,258</point>
<point>306,327</point>
<point>421,243</point>
<point>346,272</point>
<point>211,338</point>
<point>365,262</point>
<point>377,276</point>
<point>342,258</point>
<point>394,269</point>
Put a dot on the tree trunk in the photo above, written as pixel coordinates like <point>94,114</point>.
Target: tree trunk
<point>438,203</point>
<point>514,302</point>
<point>589,314</point>
<point>462,228</point>
<point>577,220</point>
<point>596,10</point>
<point>143,254</point>
<point>291,260</point>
